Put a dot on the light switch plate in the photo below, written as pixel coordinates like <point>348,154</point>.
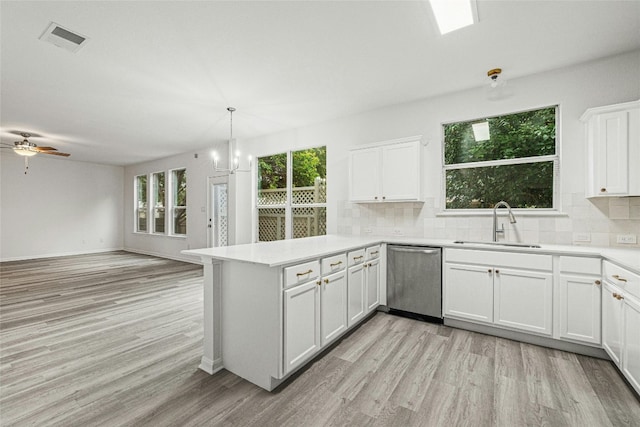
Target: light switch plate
<point>629,239</point>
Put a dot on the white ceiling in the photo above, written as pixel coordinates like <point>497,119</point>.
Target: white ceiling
<point>156,76</point>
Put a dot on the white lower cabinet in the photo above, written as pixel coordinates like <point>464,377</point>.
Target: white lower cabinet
<point>631,340</point>
<point>523,300</point>
<point>579,303</point>
<point>469,292</point>
<point>355,294</point>
<point>333,306</point>
<point>372,284</point>
<point>301,324</point>
<point>506,289</point>
<point>612,322</point>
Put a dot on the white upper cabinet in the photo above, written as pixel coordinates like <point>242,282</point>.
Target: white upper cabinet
<point>386,172</point>
<point>613,150</point>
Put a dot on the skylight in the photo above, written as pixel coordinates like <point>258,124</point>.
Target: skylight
<point>452,15</point>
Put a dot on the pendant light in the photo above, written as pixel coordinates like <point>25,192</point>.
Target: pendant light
<point>497,88</point>
<point>234,158</point>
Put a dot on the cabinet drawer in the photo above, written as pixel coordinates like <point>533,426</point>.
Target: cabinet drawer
<point>622,278</point>
<point>355,257</point>
<point>497,258</point>
<point>301,273</point>
<point>373,252</point>
<point>580,265</point>
<point>333,264</point>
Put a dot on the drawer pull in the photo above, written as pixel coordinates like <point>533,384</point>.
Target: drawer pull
<point>305,273</point>
<point>597,282</point>
<point>617,296</point>
<point>615,276</point>
<point>358,257</point>
<point>374,253</point>
<point>326,280</point>
<point>319,282</point>
<point>335,264</point>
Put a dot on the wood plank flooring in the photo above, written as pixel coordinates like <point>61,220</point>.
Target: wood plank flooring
<point>114,339</point>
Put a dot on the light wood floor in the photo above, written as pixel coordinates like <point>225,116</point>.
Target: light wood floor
<point>114,339</point>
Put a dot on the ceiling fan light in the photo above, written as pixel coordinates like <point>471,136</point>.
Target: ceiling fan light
<point>24,152</point>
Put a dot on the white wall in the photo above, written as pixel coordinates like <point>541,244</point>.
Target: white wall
<point>608,81</point>
<point>61,207</point>
<point>199,169</point>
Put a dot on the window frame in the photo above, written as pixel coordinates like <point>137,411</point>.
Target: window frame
<point>288,206</point>
<point>555,158</point>
<point>172,201</point>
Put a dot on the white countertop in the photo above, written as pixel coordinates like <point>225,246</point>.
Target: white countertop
<point>285,252</point>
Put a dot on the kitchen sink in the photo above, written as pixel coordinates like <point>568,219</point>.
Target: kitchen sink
<point>518,245</point>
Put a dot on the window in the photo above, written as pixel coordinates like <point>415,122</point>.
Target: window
<point>292,194</point>
<point>158,202</point>
<point>141,204</point>
<point>179,200</point>
<point>511,157</point>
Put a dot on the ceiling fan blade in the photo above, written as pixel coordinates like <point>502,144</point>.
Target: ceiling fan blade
<point>41,149</point>
<point>55,153</point>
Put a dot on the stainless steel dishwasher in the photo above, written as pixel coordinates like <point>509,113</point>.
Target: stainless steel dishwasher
<point>414,281</point>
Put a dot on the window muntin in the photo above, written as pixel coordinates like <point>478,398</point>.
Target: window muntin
<point>292,194</point>
<point>517,163</point>
<point>179,201</point>
<point>158,222</point>
<point>141,204</point>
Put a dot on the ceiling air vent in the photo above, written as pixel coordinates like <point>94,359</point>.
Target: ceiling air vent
<point>61,37</point>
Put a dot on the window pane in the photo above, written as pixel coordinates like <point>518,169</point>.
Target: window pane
<point>141,220</point>
<point>158,220</point>
<point>180,187</point>
<point>309,222</point>
<point>272,180</point>
<point>527,185</point>
<point>309,176</point>
<point>271,223</point>
<point>180,221</point>
<point>527,134</point>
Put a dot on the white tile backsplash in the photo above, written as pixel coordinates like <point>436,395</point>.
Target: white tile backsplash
<point>603,219</point>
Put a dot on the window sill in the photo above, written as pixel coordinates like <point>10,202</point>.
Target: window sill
<point>489,212</point>
<point>172,236</point>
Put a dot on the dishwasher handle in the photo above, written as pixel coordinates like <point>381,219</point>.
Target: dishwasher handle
<point>414,250</point>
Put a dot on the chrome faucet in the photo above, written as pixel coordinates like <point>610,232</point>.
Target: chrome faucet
<point>512,219</point>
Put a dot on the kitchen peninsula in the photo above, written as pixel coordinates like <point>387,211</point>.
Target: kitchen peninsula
<point>270,307</point>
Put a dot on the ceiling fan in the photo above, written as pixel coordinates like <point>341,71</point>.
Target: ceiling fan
<point>29,149</point>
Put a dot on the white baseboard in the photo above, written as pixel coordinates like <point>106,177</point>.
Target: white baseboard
<point>185,258</point>
<point>54,255</point>
<point>210,366</point>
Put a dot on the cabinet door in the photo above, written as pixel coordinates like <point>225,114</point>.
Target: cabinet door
<point>364,175</point>
<point>580,314</point>
<point>612,160</point>
<point>301,324</point>
<point>468,292</point>
<point>355,294</point>
<point>333,306</point>
<point>631,340</point>
<point>523,300</point>
<point>372,287</point>
<point>612,322</point>
<point>401,171</point>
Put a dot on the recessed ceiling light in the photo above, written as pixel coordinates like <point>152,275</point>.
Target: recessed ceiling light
<point>452,15</point>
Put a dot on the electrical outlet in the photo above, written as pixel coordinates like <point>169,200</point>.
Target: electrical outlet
<point>398,232</point>
<point>581,237</point>
<point>628,239</point>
